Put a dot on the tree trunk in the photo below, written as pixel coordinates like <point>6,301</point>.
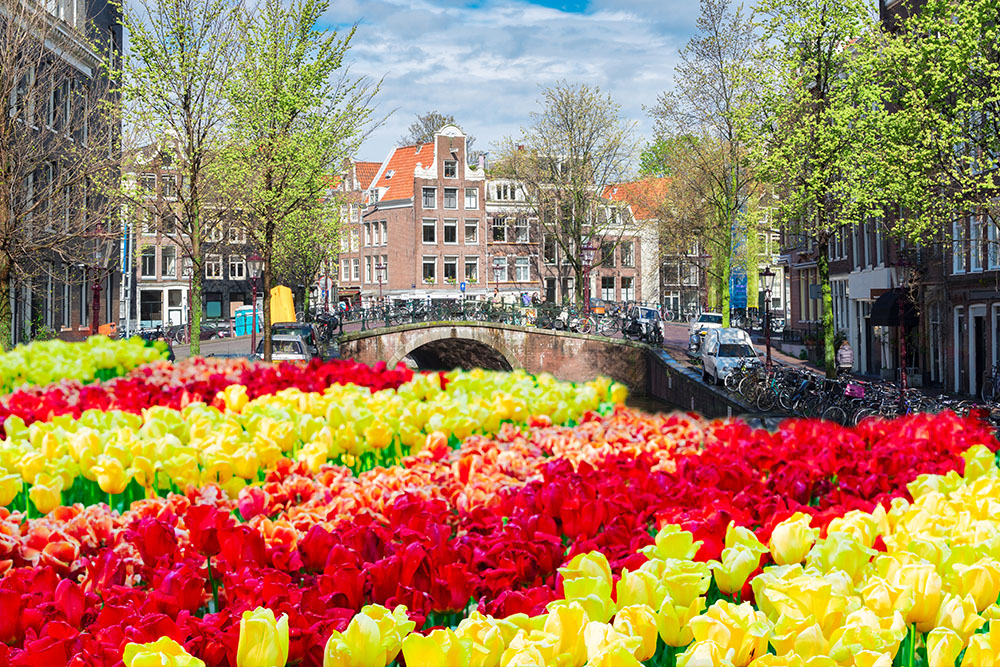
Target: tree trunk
<point>268,256</point>
<point>727,262</point>
<point>823,265</point>
<point>197,274</point>
<point>6,315</point>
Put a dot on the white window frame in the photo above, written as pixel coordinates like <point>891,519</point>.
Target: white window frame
<point>144,255</point>
<point>368,269</point>
<point>213,267</point>
<point>474,263</point>
<point>522,269</point>
<point>368,234</point>
<point>501,223</point>
<point>499,265</point>
<point>237,267</point>
<point>958,259</point>
<point>522,230</point>
<point>433,198</point>
<point>356,269</point>
<point>449,223</point>
<point>213,233</point>
<point>454,166</point>
<point>67,303</point>
<point>432,224</point>
<point>628,293</point>
<point>428,260</point>
<point>236,234</point>
<point>444,199</point>
<point>976,244</point>
<point>345,270</point>
<point>474,224</point>
<point>993,243</point>
<point>607,293</point>
<point>628,254</point>
<point>168,275</point>
<point>446,261</point>
<point>385,232</point>
<point>471,199</point>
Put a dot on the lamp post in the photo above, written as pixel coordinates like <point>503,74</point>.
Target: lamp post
<point>767,275</point>
<point>95,288</point>
<point>497,271</point>
<point>379,269</point>
<point>587,259</point>
<point>255,265</point>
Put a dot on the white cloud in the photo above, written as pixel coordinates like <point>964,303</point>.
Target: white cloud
<point>486,65</point>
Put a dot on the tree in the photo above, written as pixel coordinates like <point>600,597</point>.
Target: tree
<point>303,244</point>
<point>578,148</point>
<point>297,115</point>
<point>183,54</point>
<point>701,120</point>
<point>58,152</point>
<point>942,134</point>
<point>421,131</point>
<point>817,115</point>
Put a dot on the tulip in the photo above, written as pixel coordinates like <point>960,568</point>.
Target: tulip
<point>393,626</point>
<point>639,587</point>
<point>704,653</point>
<point>872,659</point>
<point>46,493</point>
<point>943,647</point>
<point>613,655</point>
<point>358,646</point>
<point>486,644</point>
<point>864,631</point>
<point>883,598</point>
<point>737,628</point>
<point>791,539</point>
<point>981,580</point>
<point>862,526</point>
<point>840,551</point>
<point>738,562</point>
<point>684,580</point>
<point>672,621</point>
<point>925,584</point>
<point>959,614</point>
<point>593,564</point>
<point>801,637</point>
<point>638,621</point>
<point>111,475</point>
<point>10,486</point>
<point>441,648</point>
<point>263,640</point>
<point>979,462</point>
<point>792,660</point>
<point>523,656</point>
<point>984,649</point>
<point>740,536</point>
<point>565,623</point>
<point>601,637</point>
<point>164,652</point>
<point>672,542</point>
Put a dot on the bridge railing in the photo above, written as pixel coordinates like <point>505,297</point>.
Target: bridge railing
<point>607,319</point>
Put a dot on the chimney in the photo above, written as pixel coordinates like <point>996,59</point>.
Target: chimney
<point>482,161</point>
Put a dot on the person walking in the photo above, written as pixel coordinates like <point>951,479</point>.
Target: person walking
<point>845,358</point>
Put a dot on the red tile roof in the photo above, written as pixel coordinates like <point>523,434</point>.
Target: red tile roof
<point>366,172</point>
<point>644,195</point>
<point>401,163</point>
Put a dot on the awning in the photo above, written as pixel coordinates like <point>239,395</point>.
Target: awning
<point>885,310</point>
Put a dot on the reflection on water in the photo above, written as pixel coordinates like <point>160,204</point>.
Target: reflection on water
<point>649,404</point>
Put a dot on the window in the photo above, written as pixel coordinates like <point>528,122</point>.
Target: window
<point>451,198</point>
<point>521,230</point>
<point>345,270</point>
<point>385,232</point>
<point>376,234</point>
<point>236,234</point>
<point>168,223</point>
<point>993,245</point>
<point>472,269</point>
<point>628,288</point>
<point>608,255</point>
<point>451,168</point>
<point>67,208</point>
<point>505,191</point>
<point>355,239</point>
<point>608,288</point>
<point>66,300</point>
<point>237,268</point>
<point>549,249</point>
<point>500,269</point>
<point>430,231</point>
<point>147,262</point>
<point>50,200</point>
<point>356,269</point>
<point>149,182</point>
<point>213,233</point>
<point>450,268</point>
<point>368,269</point>
<point>429,271</point>
<point>693,249</point>
<point>671,274</point>
<point>690,275</point>
<point>381,269</point>
<point>84,288</point>
<point>451,232</point>
<point>471,199</point>
<point>628,254</point>
<point>499,230</point>
<point>169,184</point>
<point>213,267</point>
<point>522,269</point>
<point>187,267</point>
<point>368,234</point>
<point>976,243</point>
<point>471,232</point>
<point>430,197</point>
<point>147,222</point>
<point>168,257</point>
<point>958,246</point>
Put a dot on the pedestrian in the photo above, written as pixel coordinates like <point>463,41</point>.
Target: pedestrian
<point>534,299</point>
<point>496,295</point>
<point>525,299</point>
<point>845,358</point>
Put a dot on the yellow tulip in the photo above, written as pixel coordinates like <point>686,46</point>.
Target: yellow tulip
<point>486,643</point>
<point>979,462</point>
<point>959,614</point>
<point>984,649</point>
<point>684,580</point>
<point>740,536</point>
<point>943,647</point>
<point>802,637</point>
<point>981,580</point>
<point>263,639</point>
<point>441,648</point>
<point>46,493</point>
<point>360,645</point>
<point>601,637</point>
<point>523,656</point>
<point>511,626</point>
<point>792,660</point>
<point>739,629</point>
<point>704,653</point>
<point>639,587</point>
<point>587,565</point>
<point>591,593</point>
<point>807,598</point>
<point>565,623</point>
<point>883,598</point>
<point>925,583</point>
<point>613,655</point>
<point>791,539</point>
<point>393,626</point>
<point>840,551</point>
<point>111,475</point>
<point>872,659</point>
<point>672,542</point>
<point>164,652</point>
<point>10,486</point>
<point>864,631</point>
<point>378,435</point>
<point>638,621</point>
<point>863,526</point>
<point>672,621</point>
<point>738,563</point>
<point>235,397</point>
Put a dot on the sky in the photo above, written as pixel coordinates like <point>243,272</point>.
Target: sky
<point>485,62</point>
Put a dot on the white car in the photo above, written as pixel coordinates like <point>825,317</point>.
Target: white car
<point>723,350</point>
<point>699,327</point>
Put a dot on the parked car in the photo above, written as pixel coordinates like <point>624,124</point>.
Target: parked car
<point>303,329</point>
<point>723,350</point>
<point>285,347</point>
<point>210,330</point>
<point>700,326</point>
<point>645,324</point>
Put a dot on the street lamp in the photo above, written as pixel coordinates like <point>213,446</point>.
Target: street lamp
<point>587,257</point>
<point>379,269</point>
<point>255,265</point>
<point>497,271</point>
<point>767,276</point>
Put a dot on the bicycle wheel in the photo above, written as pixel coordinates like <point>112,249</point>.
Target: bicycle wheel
<point>835,413</point>
<point>766,400</point>
<point>988,391</point>
<point>786,399</point>
<point>586,325</point>
<point>606,326</point>
<point>732,381</point>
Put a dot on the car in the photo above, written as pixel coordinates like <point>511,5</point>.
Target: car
<point>285,347</point>
<point>723,350</point>
<point>640,323</point>
<point>704,322</point>
<point>304,329</point>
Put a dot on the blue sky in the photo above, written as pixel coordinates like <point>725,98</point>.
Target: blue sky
<point>485,61</point>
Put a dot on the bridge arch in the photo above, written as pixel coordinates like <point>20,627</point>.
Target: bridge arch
<point>478,334</point>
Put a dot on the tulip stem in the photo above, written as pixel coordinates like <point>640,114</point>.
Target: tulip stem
<point>215,586</point>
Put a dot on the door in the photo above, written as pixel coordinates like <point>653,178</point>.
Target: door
<point>979,342</point>
<point>871,363</point>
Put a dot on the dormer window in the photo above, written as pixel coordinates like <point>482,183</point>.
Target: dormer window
<point>451,168</point>
<point>389,174</point>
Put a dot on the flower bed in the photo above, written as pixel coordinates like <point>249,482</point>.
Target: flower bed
<point>505,537</point>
